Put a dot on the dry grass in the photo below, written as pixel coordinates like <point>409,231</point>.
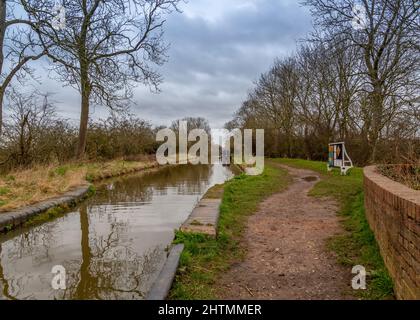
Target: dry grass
<point>98,171</point>
<point>408,174</point>
<point>30,186</point>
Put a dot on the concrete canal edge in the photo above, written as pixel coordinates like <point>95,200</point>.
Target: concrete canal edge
<point>163,284</point>
<point>204,218</point>
<point>13,219</point>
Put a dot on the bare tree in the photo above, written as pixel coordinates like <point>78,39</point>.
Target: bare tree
<point>30,115</point>
<point>18,45</point>
<point>273,103</point>
<point>387,36</point>
<point>192,123</point>
<point>105,48</point>
<point>320,95</point>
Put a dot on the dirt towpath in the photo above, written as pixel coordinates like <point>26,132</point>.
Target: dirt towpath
<point>287,256</point>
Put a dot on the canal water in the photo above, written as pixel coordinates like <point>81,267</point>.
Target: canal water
<point>113,245</point>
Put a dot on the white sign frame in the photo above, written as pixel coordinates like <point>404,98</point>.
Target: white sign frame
<point>345,164</point>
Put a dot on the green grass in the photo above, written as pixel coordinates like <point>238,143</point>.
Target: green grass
<point>204,257</point>
<point>4,191</point>
<point>59,171</point>
<point>358,245</point>
<point>215,192</point>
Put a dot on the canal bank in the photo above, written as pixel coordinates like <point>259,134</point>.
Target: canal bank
<point>56,205</point>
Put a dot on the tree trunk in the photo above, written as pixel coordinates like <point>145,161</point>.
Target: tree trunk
<point>377,101</point>
<point>85,282</point>
<point>84,114</point>
<point>2,34</point>
<point>1,109</point>
<point>84,119</point>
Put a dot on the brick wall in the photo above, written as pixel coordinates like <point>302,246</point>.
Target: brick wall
<point>393,212</point>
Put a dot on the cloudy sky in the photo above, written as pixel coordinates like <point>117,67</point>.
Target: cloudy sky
<point>218,48</point>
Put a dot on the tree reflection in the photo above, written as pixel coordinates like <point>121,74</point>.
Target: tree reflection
<point>34,242</point>
<point>4,284</point>
<point>109,268</point>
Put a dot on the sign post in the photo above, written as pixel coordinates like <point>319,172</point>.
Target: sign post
<point>338,157</point>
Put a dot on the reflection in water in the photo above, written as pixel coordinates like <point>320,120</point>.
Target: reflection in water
<point>113,245</point>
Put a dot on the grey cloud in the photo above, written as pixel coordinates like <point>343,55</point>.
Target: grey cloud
<point>212,65</point>
<point>212,62</point>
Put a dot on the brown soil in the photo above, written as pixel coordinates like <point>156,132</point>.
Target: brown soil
<point>286,255</point>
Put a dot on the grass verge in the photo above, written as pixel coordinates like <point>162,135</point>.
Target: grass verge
<point>30,186</point>
<point>358,245</point>
<point>205,258</point>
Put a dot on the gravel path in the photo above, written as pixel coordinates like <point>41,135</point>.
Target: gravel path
<point>287,256</point>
